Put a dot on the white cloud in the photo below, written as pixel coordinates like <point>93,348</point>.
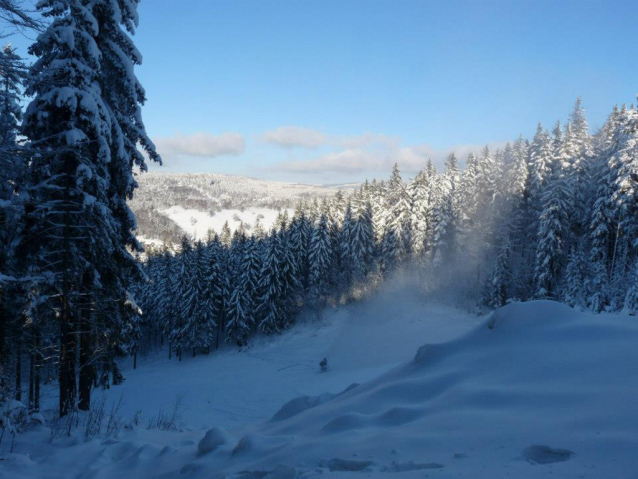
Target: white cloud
<point>295,136</point>
<point>203,145</point>
<point>377,157</point>
<point>368,140</point>
<point>346,161</point>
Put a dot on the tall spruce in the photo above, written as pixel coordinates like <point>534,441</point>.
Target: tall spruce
<point>84,125</point>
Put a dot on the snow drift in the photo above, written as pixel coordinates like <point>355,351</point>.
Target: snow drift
<point>538,387</point>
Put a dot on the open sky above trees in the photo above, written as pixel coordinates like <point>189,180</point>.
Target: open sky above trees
<point>331,91</point>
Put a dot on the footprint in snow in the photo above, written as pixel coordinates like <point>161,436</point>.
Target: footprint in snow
<point>545,455</point>
<point>411,466</point>
<point>346,465</point>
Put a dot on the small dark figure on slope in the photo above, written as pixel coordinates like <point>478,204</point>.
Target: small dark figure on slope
<point>323,365</point>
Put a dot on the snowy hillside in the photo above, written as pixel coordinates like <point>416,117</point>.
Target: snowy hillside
<point>534,390</point>
<point>197,223</point>
<point>169,204</point>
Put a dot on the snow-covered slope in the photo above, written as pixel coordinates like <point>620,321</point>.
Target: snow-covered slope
<point>534,390</point>
<point>169,204</point>
<point>197,223</point>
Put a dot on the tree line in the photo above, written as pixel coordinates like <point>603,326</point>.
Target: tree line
<point>551,218</point>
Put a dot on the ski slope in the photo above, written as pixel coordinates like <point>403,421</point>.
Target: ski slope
<point>533,390</point>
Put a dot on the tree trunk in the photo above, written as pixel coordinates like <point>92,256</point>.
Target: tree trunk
<point>67,360</point>
<point>3,322</point>
<point>68,341</point>
<point>31,378</point>
<point>38,372</point>
<point>86,368</point>
<point>18,392</point>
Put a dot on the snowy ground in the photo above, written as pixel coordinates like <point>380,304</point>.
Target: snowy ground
<point>197,223</point>
<point>537,390</point>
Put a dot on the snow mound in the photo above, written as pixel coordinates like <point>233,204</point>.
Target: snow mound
<point>213,439</point>
<point>303,403</point>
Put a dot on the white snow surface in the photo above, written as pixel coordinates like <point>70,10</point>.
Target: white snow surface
<point>533,390</point>
<point>197,223</point>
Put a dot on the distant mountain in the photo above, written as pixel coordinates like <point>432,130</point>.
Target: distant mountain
<point>168,205</point>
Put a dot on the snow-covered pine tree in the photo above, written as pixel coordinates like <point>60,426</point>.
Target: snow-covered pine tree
<point>69,128</point>
<point>550,252</point>
<point>258,230</point>
<point>441,223</point>
<point>574,293</point>
<point>602,228</point>
<point>162,294</point>
<point>236,254</point>
<point>580,145</point>
<point>183,296</point>
<point>222,277</point>
<point>290,282</point>
<point>362,242</point>
<point>397,213</point>
<point>540,160</point>
<point>389,256</point>
<point>377,193</point>
<point>452,175</point>
<point>521,220</point>
<point>419,191</point>
<point>217,284</point>
<point>299,239</point>
<point>337,210</point>
<point>85,126</point>
<point>345,258</point>
<point>320,258</point>
<point>199,323</point>
<point>226,236</point>
<point>603,220</point>
<point>625,197</point>
<point>313,211</point>
<point>469,200</point>
<point>446,212</point>
<point>271,309</point>
<point>123,97</point>
<point>497,290</point>
<point>488,177</point>
<point>517,180</point>
<point>12,72</point>
<point>148,294</point>
<point>243,301</point>
<point>281,222</point>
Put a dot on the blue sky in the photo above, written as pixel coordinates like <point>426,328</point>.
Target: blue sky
<point>328,91</point>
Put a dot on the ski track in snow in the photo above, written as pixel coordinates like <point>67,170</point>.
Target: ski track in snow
<point>536,390</point>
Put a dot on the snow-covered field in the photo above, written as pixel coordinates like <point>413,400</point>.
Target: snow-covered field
<point>197,223</point>
<point>534,390</point>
